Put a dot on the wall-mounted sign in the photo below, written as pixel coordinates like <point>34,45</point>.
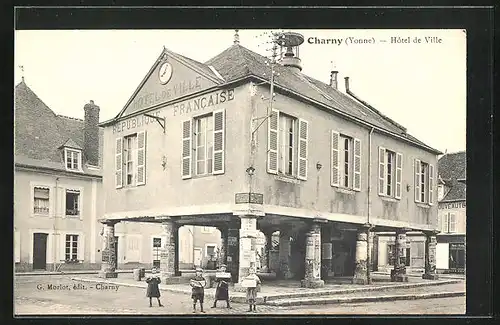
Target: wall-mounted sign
<point>254,198</point>
<point>452,205</point>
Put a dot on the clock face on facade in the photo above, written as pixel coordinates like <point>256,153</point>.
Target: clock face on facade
<point>165,73</point>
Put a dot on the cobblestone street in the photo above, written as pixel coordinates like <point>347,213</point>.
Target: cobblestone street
<point>33,295</point>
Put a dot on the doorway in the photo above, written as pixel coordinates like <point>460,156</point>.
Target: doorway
<point>198,255</point>
<point>40,251</point>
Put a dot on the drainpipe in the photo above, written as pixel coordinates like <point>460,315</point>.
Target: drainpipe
<point>368,255</point>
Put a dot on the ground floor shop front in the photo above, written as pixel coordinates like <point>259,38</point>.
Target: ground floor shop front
<point>451,253</point>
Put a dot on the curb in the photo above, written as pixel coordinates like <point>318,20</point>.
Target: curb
<point>324,301</point>
<point>273,297</point>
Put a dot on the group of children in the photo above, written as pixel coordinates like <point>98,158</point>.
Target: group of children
<point>198,284</point>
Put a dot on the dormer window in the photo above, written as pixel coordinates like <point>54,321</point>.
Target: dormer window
<point>73,159</point>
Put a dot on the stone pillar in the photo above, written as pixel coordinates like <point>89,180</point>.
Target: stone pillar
<point>312,278</point>
<point>224,233</point>
<point>176,249</point>
<point>248,238</point>
<point>168,253</point>
<point>267,250</point>
<point>398,274</point>
<point>326,251</point>
<point>109,257</point>
<point>284,254</point>
<point>360,268</point>
<point>232,255</point>
<point>430,257</point>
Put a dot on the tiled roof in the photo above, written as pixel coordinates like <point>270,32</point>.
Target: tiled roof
<point>451,167</point>
<point>39,133</point>
<point>237,62</point>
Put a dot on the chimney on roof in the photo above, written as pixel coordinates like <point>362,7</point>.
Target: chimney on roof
<point>91,134</point>
<point>333,79</point>
<point>346,84</point>
<point>291,42</point>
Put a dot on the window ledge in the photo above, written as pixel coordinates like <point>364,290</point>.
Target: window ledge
<point>203,176</point>
<point>74,170</point>
<point>388,199</point>
<point>423,205</point>
<point>287,179</point>
<point>345,190</point>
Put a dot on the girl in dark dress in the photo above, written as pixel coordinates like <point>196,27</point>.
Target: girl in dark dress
<point>153,288</point>
<point>222,289</point>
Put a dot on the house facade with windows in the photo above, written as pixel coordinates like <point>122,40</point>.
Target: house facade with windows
<point>57,183</point>
<point>452,216</point>
<point>320,167</point>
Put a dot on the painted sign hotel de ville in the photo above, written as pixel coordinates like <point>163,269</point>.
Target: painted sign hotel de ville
<point>202,144</point>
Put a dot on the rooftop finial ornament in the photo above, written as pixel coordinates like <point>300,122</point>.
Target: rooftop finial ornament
<point>22,72</point>
<point>236,37</point>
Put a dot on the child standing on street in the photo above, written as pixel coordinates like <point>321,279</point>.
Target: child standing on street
<point>252,291</point>
<point>222,289</point>
<point>153,289</point>
<point>198,284</point>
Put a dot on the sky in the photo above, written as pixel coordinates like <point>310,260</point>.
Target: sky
<point>420,84</point>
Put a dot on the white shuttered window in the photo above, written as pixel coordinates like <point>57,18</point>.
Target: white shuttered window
<point>424,182</point>
<point>303,149</point>
<point>203,145</point>
<point>335,171</point>
<point>390,173</point>
<point>345,162</point>
<point>272,142</point>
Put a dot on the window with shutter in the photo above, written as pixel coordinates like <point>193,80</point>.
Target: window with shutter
<point>141,158</point>
<point>119,163</point>
<point>129,157</point>
<point>303,149</point>
<point>417,180</point>
<point>335,173</point>
<point>452,228</point>
<point>431,184</point>
<point>357,165</point>
<point>399,175</point>
<point>218,141</point>
<point>381,170</point>
<point>186,149</point>
<point>272,142</point>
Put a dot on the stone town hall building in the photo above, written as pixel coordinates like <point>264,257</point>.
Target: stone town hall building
<point>197,144</point>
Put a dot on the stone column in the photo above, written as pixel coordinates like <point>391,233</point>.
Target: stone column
<point>360,268</point>
<point>168,253</point>
<point>430,257</point>
<point>326,250</point>
<point>248,238</point>
<point>232,255</point>
<point>108,260</point>
<point>312,278</point>
<point>176,249</point>
<point>224,233</point>
<point>284,254</point>
<point>267,250</point>
<point>398,274</point>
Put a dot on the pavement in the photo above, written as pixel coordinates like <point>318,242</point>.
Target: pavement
<point>70,297</point>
